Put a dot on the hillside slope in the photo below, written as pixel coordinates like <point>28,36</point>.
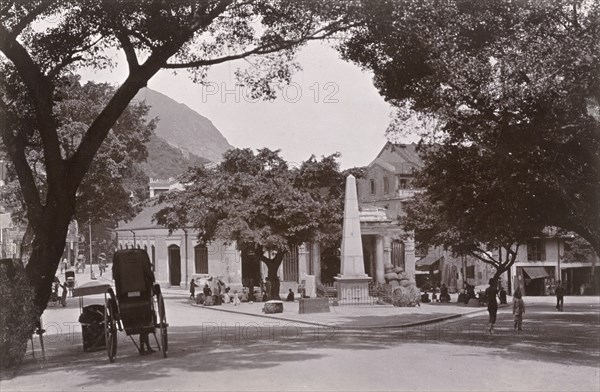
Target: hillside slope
<point>184,128</point>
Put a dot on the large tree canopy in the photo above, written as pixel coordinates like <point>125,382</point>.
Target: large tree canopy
<point>485,214</point>
<point>512,88</point>
<point>42,41</point>
<point>261,203</point>
<point>105,192</point>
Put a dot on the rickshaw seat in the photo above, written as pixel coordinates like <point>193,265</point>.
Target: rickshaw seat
<point>133,275</point>
<point>134,281</point>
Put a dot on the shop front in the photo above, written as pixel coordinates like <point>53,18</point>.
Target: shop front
<point>537,280</point>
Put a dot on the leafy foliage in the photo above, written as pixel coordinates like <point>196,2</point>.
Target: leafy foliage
<point>510,91</point>
<point>261,203</point>
<point>104,194</point>
<point>167,161</point>
<point>45,41</point>
<point>17,314</point>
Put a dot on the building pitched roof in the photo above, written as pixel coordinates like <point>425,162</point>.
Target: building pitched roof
<point>143,220</point>
<point>399,158</point>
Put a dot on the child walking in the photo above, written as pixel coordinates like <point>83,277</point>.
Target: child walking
<point>236,299</point>
<point>518,310</point>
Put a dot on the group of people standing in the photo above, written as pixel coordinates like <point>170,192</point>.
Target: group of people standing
<point>491,294</point>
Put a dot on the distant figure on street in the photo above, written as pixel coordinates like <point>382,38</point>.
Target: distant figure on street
<point>444,296</point>
<point>268,286</point>
<point>518,310</point>
<point>502,296</point>
<point>492,305</point>
<point>560,294</point>
<point>193,286</point>
<point>470,293</point>
<point>290,296</point>
<point>251,290</point>
<point>236,298</point>
<point>206,290</point>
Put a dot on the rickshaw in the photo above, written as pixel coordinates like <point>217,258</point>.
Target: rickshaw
<point>92,315</point>
<point>137,301</point>
<point>70,280</point>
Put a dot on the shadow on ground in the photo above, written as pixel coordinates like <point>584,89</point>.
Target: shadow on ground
<point>569,338</point>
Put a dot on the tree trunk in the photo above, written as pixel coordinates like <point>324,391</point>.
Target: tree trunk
<point>46,250</point>
<point>272,269</point>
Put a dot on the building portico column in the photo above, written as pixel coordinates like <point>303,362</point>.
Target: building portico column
<point>387,249</point>
<point>379,256</point>
<point>316,249</point>
<point>409,257</point>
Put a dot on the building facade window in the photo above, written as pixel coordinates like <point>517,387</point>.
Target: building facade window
<point>372,185</point>
<point>471,272</point>
<point>536,251</point>
<point>201,259</point>
<point>290,265</point>
<point>398,253</point>
<point>153,257</point>
<point>386,185</point>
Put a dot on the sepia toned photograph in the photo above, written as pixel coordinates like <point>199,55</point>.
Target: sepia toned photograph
<point>299,195</point>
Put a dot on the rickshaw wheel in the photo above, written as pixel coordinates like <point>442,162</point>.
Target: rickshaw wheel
<point>110,331</point>
<point>162,325</point>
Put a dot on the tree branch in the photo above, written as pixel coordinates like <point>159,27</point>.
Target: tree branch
<point>260,50</point>
<point>478,254</point>
<point>16,150</point>
<point>40,91</point>
<point>29,18</point>
<point>130,55</point>
<point>201,20</point>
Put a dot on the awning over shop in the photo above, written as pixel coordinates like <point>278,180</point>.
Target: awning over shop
<point>428,262</point>
<point>536,272</point>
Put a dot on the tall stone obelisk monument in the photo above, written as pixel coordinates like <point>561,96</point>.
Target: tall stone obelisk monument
<point>352,282</point>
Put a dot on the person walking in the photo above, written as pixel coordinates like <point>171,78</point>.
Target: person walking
<point>502,296</point>
<point>236,298</point>
<point>193,286</point>
<point>492,304</point>
<point>560,296</point>
<point>518,309</point>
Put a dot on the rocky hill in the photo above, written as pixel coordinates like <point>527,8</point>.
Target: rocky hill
<point>165,161</point>
<point>183,128</point>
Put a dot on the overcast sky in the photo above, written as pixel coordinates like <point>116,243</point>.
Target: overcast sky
<point>331,107</point>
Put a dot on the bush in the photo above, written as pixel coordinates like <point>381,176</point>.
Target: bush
<point>17,314</point>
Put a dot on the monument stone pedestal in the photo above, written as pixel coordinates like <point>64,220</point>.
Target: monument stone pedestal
<point>352,289</point>
<point>352,282</point>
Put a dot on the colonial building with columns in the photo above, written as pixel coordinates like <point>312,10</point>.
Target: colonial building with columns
<point>177,256</point>
<point>387,184</point>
